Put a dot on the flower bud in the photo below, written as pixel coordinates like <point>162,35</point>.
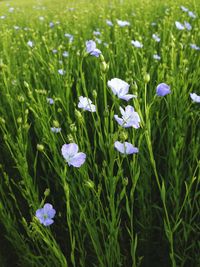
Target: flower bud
<point>40,147</point>
<point>146,77</point>
<point>56,124</point>
<point>123,136</point>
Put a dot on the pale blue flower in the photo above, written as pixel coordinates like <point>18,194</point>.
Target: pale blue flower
<point>72,156</point>
<point>109,23</point>
<point>11,9</point>
<point>194,46</point>
<point>55,129</point>
<point>86,104</point>
<point>54,51</point>
<point>163,89</point>
<point>195,97</point>
<point>184,9</point>
<point>130,118</point>
<point>192,15</point>
<point>98,40</point>
<point>50,100</point>
<point>157,57</point>
<point>51,24</point>
<point>137,44</point>
<point>96,33</point>
<point>46,214</point>
<point>120,88</point>
<point>30,43</point>
<point>123,23</point>
<point>16,27</point>
<point>70,37</point>
<point>179,26</point>
<point>156,37</point>
<point>91,48</point>
<point>61,72</point>
<point>65,54</point>
<point>187,25</point>
<point>125,148</point>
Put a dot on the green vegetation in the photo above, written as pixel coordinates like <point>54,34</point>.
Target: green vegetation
<point>116,209</point>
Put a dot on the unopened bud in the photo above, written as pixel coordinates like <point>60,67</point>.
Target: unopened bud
<point>146,77</point>
<point>40,147</point>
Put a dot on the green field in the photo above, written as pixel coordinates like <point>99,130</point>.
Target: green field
<point>109,136</point>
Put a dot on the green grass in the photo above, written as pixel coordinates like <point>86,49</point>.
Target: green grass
<point>115,210</point>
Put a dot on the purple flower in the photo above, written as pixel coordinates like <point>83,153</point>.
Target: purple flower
<point>125,148</point>
<point>163,89</point>
<point>130,118</point>
<point>179,26</point>
<point>122,23</point>
<point>91,48</point>
<point>55,130</point>
<point>120,88</point>
<point>72,156</point>
<point>137,44</point>
<point>195,97</point>
<point>46,214</point>
<point>86,104</point>
<point>156,37</point>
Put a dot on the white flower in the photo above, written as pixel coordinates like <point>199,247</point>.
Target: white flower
<point>120,88</point>
<point>86,104</point>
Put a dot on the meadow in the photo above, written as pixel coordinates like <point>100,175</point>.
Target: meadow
<point>100,133</point>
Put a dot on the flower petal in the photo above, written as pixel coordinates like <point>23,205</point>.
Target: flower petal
<point>127,97</point>
<point>69,150</point>
<point>119,120</point>
<point>77,160</point>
